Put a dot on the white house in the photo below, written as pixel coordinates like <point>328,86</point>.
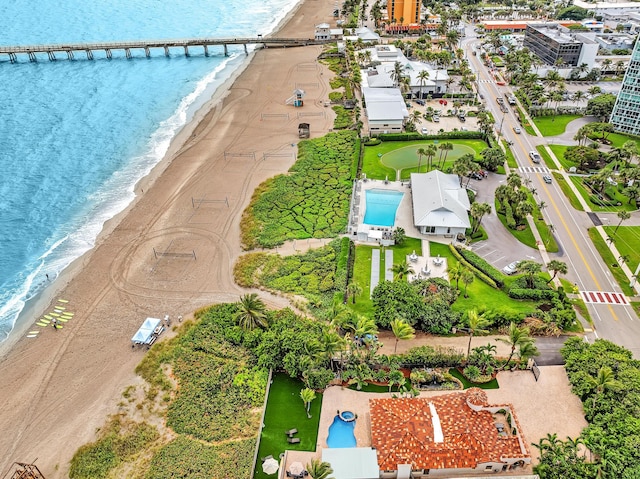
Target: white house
<point>323,31</point>
<point>386,110</point>
<point>440,204</point>
<point>365,34</point>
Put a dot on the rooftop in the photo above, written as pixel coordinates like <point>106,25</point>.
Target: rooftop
<point>403,430</point>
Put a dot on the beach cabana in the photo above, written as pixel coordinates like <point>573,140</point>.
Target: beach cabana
<point>147,333</point>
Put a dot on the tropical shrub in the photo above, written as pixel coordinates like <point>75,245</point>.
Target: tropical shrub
<point>483,277</point>
<point>431,357</point>
<point>482,265</point>
<point>312,201</point>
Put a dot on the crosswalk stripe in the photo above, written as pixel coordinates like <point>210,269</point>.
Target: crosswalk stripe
<point>533,169</point>
<point>603,297</point>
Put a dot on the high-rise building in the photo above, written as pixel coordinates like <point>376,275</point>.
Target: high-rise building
<point>553,42</point>
<point>626,112</point>
<point>403,12</point>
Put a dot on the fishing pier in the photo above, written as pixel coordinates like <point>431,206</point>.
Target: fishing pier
<point>70,49</point>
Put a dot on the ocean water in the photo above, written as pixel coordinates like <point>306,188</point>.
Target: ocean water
<point>75,136</point>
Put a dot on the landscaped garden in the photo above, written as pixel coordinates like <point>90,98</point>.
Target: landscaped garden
<point>381,161</point>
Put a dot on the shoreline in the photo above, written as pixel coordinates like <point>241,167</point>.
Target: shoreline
<point>60,387</point>
<point>39,303</point>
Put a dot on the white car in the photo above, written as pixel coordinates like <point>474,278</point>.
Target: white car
<point>535,157</point>
<point>511,268</point>
<point>436,118</point>
<point>517,129</point>
<point>424,131</point>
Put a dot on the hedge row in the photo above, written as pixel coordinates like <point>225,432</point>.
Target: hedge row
<point>533,294</point>
<point>597,201</point>
<point>480,263</point>
<point>483,277</point>
<point>413,136</point>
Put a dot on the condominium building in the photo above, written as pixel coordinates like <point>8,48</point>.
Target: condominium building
<point>626,112</point>
<point>553,43</point>
<point>404,12</point>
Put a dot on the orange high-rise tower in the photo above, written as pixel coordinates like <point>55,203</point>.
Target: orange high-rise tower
<point>403,12</point>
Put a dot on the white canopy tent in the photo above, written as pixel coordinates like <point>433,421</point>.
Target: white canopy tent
<point>146,333</point>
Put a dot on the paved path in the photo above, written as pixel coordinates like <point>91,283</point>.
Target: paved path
<point>388,263</point>
<point>375,269</point>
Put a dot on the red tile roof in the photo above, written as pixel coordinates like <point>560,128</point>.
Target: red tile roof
<point>402,432</point>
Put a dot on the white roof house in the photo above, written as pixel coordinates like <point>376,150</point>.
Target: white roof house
<point>365,34</point>
<point>440,204</point>
<point>386,110</point>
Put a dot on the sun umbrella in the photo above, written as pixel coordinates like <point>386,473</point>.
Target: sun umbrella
<point>296,468</point>
<point>270,466</point>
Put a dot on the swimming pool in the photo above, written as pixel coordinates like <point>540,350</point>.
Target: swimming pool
<point>341,433</point>
<point>381,207</point>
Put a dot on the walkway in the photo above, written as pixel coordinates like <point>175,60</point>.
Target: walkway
<point>375,269</point>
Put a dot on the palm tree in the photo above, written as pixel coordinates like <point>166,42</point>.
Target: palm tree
<point>623,215</point>
<point>397,73</point>
<point>400,270</point>
<point>251,312</point>
<point>478,211</point>
<point>421,152</point>
<point>517,338</point>
<point>475,323</point>
<point>353,290</point>
<point>447,147</point>
<point>319,470</point>
<point>402,331</point>
<point>455,272</point>
<point>423,77</point>
<point>557,267</point>
<point>307,395</point>
<point>530,269</point>
<point>603,381</point>
<point>432,150</point>
<point>467,278</point>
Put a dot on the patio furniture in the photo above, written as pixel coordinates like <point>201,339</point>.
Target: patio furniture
<point>293,440</point>
<point>291,432</point>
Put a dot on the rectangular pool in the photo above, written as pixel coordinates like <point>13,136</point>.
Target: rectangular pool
<point>381,207</point>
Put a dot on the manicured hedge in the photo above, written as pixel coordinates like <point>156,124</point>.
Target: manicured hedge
<point>483,266</point>
<point>431,357</point>
<point>533,294</point>
<point>597,201</point>
<point>412,136</point>
<point>483,277</point>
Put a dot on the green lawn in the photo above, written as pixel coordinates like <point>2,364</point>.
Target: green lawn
<point>568,192</point>
<point>406,159</point>
<point>559,150</point>
<point>362,270</point>
<point>374,168</point>
<point>617,139</point>
<point>627,239</point>
<point>548,239</point>
<point>285,410</point>
<point>511,160</point>
<point>481,296</point>
<point>554,125</point>
<point>608,258</point>
<point>582,189</point>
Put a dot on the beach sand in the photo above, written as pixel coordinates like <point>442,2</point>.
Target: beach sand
<point>58,388</point>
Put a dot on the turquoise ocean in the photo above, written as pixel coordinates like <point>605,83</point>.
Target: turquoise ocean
<point>76,136</point>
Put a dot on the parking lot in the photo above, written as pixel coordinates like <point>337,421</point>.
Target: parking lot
<point>446,123</point>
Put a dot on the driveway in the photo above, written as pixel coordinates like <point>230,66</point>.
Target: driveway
<point>501,248</point>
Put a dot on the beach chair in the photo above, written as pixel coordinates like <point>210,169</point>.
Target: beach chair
<point>291,432</point>
<point>293,440</point>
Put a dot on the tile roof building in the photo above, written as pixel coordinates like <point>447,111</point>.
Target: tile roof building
<point>456,432</point>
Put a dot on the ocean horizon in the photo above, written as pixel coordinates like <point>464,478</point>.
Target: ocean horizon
<point>77,135</point>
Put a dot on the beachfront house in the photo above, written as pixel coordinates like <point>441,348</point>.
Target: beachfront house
<point>386,111</point>
<point>458,433</point>
<point>440,204</point>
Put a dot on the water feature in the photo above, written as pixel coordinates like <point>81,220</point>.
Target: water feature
<point>341,431</point>
<point>381,207</point>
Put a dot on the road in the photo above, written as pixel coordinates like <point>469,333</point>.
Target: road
<point>617,323</point>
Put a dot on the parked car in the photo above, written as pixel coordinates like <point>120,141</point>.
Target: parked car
<point>436,118</point>
<point>420,102</point>
<point>424,131</point>
<point>476,176</point>
<point>535,157</point>
<point>517,129</point>
<point>547,179</point>
<point>511,268</point>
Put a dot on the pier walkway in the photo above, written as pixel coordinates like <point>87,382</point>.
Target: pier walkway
<point>88,48</point>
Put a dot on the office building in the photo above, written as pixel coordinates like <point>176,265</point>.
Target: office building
<point>626,112</point>
<point>555,44</point>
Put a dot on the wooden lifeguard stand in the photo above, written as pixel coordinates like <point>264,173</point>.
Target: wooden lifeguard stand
<point>21,470</point>
<point>296,99</point>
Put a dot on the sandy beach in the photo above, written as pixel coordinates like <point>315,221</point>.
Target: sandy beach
<point>58,388</point>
